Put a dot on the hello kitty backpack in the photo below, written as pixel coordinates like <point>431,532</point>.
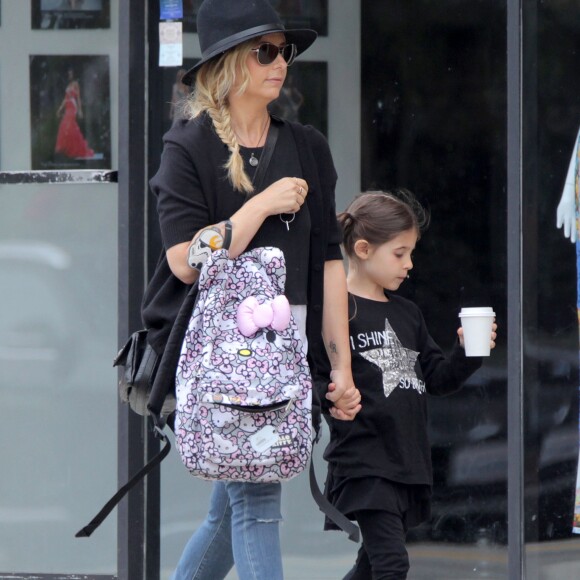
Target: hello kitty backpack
<point>243,384</point>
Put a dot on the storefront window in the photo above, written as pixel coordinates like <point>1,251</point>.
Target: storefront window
<point>551,58</point>
<point>58,301</point>
<point>423,106</point>
<point>434,121</point>
<point>58,289</point>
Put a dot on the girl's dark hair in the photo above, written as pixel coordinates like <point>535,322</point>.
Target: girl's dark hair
<point>380,216</point>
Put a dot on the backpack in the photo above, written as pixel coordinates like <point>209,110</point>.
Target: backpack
<point>243,384</point>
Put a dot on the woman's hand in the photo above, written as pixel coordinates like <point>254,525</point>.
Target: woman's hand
<point>287,195</point>
<point>345,396</point>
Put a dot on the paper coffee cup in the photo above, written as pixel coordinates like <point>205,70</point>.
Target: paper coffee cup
<point>477,324</point>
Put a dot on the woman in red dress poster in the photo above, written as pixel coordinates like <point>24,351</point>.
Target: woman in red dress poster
<point>69,140</point>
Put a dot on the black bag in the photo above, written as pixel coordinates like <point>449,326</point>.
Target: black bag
<point>141,363</point>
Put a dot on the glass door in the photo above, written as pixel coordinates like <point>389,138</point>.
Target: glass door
<point>58,289</point>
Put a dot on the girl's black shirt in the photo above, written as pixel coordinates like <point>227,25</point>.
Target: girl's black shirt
<point>395,364</point>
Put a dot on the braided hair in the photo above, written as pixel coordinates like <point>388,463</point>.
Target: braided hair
<point>214,82</point>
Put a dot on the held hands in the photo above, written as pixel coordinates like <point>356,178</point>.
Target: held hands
<point>345,396</point>
<point>493,336</point>
<point>287,195</point>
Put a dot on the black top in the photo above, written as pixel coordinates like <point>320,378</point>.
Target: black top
<point>382,459</point>
<point>293,238</point>
<point>193,191</point>
<point>395,364</point>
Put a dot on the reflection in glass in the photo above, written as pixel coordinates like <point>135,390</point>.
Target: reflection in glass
<point>58,304</point>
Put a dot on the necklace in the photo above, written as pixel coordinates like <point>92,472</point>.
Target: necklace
<point>287,222</point>
<point>253,161</point>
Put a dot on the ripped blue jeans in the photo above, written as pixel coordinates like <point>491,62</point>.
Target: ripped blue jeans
<point>241,528</point>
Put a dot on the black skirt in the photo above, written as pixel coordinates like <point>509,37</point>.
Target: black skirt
<point>352,494</point>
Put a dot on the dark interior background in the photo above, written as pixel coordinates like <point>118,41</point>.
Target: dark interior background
<point>434,121</point>
<point>552,117</point>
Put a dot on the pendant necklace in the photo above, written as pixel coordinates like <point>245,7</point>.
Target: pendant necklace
<point>287,222</point>
<point>253,161</point>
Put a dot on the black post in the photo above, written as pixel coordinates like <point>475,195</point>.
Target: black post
<point>132,541</point>
<point>516,564</point>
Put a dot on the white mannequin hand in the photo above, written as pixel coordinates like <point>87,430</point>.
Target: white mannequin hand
<point>566,212</point>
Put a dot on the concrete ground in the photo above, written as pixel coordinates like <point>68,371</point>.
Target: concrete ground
<point>438,561</point>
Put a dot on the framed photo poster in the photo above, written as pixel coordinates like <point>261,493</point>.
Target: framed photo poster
<point>70,14</point>
<point>70,112</point>
<point>294,13</point>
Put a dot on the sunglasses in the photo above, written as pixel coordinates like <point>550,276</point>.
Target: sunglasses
<point>267,53</point>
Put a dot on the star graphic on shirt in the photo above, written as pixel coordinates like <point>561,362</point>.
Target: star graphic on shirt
<point>394,360</point>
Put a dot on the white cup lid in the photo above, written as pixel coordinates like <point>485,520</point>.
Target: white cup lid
<point>477,311</point>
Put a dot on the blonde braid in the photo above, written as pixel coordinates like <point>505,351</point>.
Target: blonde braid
<point>235,164</point>
<point>214,82</point>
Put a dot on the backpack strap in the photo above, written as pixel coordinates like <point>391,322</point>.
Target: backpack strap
<point>228,235</point>
<point>87,530</point>
<point>162,385</point>
<point>337,517</point>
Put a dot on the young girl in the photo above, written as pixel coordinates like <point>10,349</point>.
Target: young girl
<point>379,466</point>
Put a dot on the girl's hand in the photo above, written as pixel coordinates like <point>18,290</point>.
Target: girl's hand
<point>493,336</point>
<point>287,195</point>
<point>345,396</point>
<point>341,415</point>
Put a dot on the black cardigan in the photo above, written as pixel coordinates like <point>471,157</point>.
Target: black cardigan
<point>202,152</point>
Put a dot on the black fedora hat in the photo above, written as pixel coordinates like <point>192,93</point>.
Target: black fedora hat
<point>223,24</point>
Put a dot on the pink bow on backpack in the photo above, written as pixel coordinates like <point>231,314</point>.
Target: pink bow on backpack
<point>252,315</point>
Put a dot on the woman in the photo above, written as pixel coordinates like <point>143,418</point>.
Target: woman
<point>69,140</point>
<point>205,179</point>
